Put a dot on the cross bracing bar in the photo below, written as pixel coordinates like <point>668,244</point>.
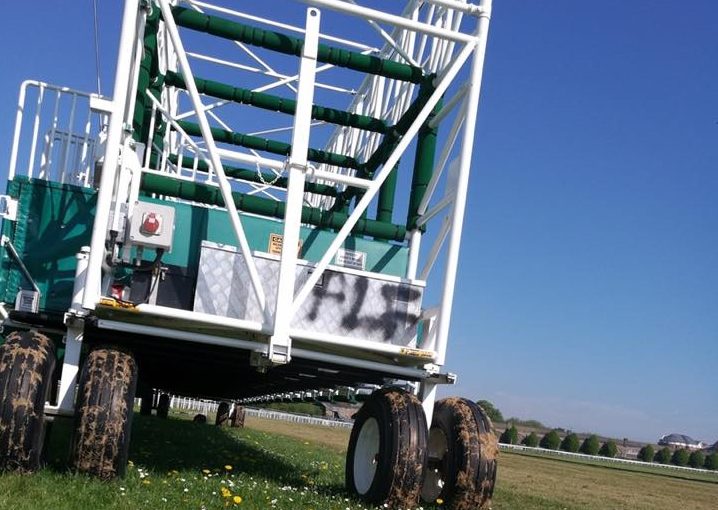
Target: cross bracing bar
<point>207,135</point>
<point>277,103</point>
<point>282,43</point>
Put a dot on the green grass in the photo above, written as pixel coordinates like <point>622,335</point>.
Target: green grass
<point>177,464</point>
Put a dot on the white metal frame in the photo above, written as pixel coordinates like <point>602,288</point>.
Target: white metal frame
<point>428,34</point>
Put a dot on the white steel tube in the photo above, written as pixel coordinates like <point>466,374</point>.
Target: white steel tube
<point>373,14</point>
<point>436,248</point>
<point>295,190</point>
<point>425,218</point>
<point>383,173</point>
<point>112,149</point>
<point>458,6</point>
<point>409,372</point>
<point>35,130</point>
<point>224,186</point>
<point>18,126</point>
<point>414,251</point>
<point>467,144</point>
<point>340,178</point>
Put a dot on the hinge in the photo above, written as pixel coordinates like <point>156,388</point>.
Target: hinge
<point>8,207</point>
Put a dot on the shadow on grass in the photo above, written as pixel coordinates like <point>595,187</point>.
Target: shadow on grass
<point>175,444</point>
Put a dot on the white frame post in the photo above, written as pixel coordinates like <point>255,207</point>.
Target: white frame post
<point>280,342</point>
<point>112,152</point>
<point>457,220</point>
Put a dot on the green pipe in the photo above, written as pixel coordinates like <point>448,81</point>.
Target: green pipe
<point>148,71</point>
<point>277,103</point>
<point>253,176</point>
<point>204,193</point>
<point>282,43</point>
<point>273,146</point>
<point>387,192</point>
<point>423,169</point>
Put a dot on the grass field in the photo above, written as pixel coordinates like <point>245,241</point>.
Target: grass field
<point>178,464</point>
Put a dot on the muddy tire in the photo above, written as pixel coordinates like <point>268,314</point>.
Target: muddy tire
<point>462,455</point>
<point>387,450</point>
<point>163,406</point>
<point>146,401</point>
<point>222,417</point>
<point>103,415</point>
<point>27,361</point>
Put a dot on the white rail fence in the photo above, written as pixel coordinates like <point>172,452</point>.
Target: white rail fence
<point>597,458</point>
<point>208,407</point>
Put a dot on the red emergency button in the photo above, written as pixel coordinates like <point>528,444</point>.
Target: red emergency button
<point>151,224</point>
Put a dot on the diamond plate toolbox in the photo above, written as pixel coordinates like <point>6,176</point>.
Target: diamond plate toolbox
<point>345,302</point>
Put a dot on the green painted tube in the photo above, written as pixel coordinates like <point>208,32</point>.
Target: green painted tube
<point>206,194</point>
<point>273,146</point>
<point>282,43</point>
<point>253,176</point>
<point>148,71</point>
<point>423,169</point>
<point>387,192</point>
<point>277,103</point>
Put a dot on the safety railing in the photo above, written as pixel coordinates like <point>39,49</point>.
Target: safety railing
<point>57,134</point>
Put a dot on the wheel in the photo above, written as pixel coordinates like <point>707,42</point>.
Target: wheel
<point>222,414</point>
<point>163,406</point>
<point>145,395</point>
<point>462,456</point>
<point>103,415</point>
<point>387,450</point>
<point>27,361</point>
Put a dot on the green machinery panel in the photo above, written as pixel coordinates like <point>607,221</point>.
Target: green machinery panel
<point>55,220</point>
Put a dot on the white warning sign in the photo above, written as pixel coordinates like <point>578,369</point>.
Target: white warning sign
<point>350,259</point>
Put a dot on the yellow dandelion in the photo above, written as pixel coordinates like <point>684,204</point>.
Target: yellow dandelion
<point>146,482</point>
<point>237,500</point>
<point>228,467</point>
<point>439,501</point>
<point>206,471</point>
<point>225,492</point>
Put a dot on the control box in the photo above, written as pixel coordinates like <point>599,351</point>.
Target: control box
<point>152,225</point>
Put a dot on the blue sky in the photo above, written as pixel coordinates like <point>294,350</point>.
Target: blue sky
<point>588,293</point>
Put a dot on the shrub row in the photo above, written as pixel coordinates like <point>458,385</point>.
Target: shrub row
<point>592,446</point>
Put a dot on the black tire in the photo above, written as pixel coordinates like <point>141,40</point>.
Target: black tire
<point>27,361</point>
<point>163,406</point>
<point>103,415</point>
<point>462,456</point>
<point>145,395</point>
<point>387,450</point>
<point>222,417</point>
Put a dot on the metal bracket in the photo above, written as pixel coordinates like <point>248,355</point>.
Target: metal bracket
<point>8,207</point>
<point>447,378</point>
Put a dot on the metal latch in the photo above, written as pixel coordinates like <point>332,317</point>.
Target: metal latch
<point>8,207</point>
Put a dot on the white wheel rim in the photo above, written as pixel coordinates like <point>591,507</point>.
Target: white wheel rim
<point>434,479</point>
<point>366,456</point>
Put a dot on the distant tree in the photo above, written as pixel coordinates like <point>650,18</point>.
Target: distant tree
<point>531,440</point>
<point>646,453</point>
<point>550,440</point>
<point>570,443</point>
<point>697,459</point>
<point>590,445</point>
<point>491,410</point>
<point>680,457</point>
<point>510,436</point>
<point>711,461</point>
<point>609,449</point>
<point>662,456</point>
